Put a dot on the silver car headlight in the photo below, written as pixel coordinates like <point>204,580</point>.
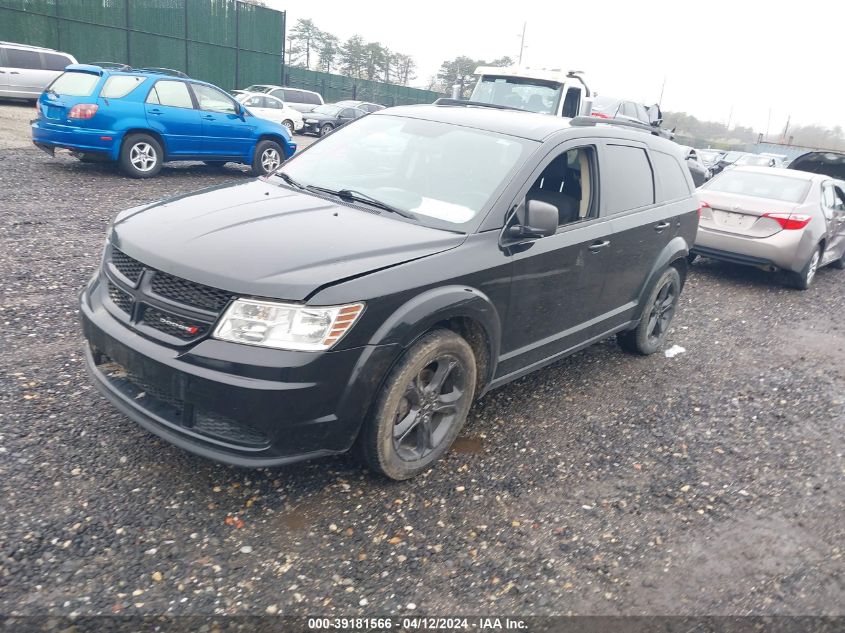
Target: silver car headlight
<point>286,325</point>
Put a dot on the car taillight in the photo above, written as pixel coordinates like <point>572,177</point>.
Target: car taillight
<point>38,106</point>
<point>83,111</point>
<point>703,205</point>
<point>600,115</point>
<point>790,221</point>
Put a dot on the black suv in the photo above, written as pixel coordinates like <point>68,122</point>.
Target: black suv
<point>367,292</point>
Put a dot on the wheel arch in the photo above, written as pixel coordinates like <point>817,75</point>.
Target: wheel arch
<point>673,254</point>
<point>140,130</point>
<point>466,311</point>
<point>276,138</point>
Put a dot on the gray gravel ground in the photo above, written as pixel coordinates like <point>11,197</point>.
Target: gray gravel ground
<point>708,483</point>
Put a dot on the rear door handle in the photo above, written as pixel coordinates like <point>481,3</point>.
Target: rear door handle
<point>156,111</point>
<point>209,117</point>
<point>662,225</point>
<point>595,247</point>
<point>14,72</point>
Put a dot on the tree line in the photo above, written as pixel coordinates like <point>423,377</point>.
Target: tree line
<point>311,47</point>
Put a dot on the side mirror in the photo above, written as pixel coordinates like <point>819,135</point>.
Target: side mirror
<point>541,220</point>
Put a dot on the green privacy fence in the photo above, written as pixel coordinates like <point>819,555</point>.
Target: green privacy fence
<point>226,42</point>
<point>339,87</point>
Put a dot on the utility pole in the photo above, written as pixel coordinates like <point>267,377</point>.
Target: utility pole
<point>730,117</point>
<point>768,122</point>
<point>522,42</point>
<point>662,88</point>
<point>786,129</point>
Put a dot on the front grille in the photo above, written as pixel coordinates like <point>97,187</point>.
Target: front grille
<point>176,307</point>
<point>121,299</point>
<point>190,292</point>
<point>173,325</point>
<point>128,267</point>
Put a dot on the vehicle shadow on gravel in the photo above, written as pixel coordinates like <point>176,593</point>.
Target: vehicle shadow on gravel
<point>744,275</point>
<point>67,163</point>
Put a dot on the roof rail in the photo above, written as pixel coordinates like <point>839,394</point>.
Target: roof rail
<point>586,121</point>
<point>163,71</point>
<point>443,101</point>
<point>110,65</point>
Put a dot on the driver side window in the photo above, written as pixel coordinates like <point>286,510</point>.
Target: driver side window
<point>566,183</point>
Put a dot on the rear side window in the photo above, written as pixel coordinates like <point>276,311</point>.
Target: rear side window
<point>627,180</point>
<point>171,93</point>
<point>670,175</point>
<point>118,86</point>
<point>17,58</point>
<point>309,98</point>
<point>54,61</point>
<point>74,84</point>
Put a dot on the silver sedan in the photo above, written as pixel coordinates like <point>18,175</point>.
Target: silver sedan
<point>775,219</point>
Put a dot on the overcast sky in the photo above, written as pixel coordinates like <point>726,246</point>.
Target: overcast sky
<point>716,55</point>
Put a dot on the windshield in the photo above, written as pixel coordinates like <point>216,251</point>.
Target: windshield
<point>760,161</point>
<point>534,95</point>
<point>760,185</point>
<point>331,110</point>
<point>259,88</point>
<point>74,84</point>
<point>443,174</point>
<point>708,156</point>
<point>732,157</point>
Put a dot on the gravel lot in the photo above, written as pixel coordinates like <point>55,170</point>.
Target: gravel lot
<point>707,483</point>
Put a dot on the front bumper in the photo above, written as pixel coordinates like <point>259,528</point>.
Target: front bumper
<point>785,250</point>
<point>47,135</point>
<point>236,404</point>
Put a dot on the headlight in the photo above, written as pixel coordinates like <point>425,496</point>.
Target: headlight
<point>286,325</point>
<point>310,120</point>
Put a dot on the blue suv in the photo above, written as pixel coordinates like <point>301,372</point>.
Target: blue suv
<point>141,118</point>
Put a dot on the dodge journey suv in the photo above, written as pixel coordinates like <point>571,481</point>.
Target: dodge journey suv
<point>369,290</point>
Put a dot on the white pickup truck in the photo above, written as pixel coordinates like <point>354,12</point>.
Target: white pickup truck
<point>549,91</point>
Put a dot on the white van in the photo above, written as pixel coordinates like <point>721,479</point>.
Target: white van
<point>25,71</point>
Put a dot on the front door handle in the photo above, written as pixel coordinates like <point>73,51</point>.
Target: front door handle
<point>14,72</point>
<point>595,247</point>
<point>662,225</point>
<point>209,117</point>
<point>156,111</point>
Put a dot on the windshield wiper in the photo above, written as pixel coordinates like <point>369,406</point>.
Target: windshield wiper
<point>289,180</point>
<point>358,196</point>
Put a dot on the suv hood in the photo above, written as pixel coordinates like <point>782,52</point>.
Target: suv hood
<point>261,239</point>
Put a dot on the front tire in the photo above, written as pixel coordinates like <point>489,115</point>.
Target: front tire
<point>268,156</point>
<point>650,333</point>
<point>141,156</point>
<point>421,408</point>
<point>326,129</point>
<point>289,125</point>
<point>804,278</point>
<point>839,264</point>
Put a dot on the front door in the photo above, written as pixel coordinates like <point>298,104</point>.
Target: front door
<point>833,206</point>
<point>225,131</point>
<point>171,113</point>
<point>557,280</point>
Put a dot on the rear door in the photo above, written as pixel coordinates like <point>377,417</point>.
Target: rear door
<point>225,132</point>
<point>26,77</point>
<point>557,280</point>
<point>642,225</point>
<point>172,113</point>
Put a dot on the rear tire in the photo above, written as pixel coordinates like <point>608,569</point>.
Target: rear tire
<point>268,156</point>
<point>421,408</point>
<point>692,258</point>
<point>803,279</point>
<point>289,125</point>
<point>141,156</point>
<point>326,129</point>
<point>659,308</point>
